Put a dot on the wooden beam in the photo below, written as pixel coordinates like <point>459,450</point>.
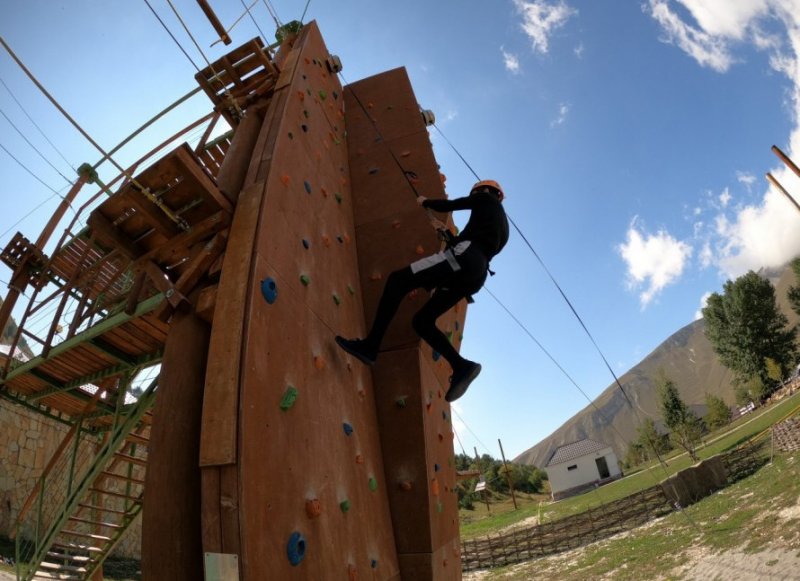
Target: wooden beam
<point>106,232</point>
<point>110,323</point>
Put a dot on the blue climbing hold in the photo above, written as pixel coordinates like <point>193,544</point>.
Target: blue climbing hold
<point>373,563</point>
<point>306,244</point>
<point>307,186</point>
<point>436,467</point>
<point>457,325</point>
<point>296,549</point>
<point>269,289</point>
<point>348,429</point>
<point>436,355</point>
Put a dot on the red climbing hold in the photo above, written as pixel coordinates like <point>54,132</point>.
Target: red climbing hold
<point>313,508</point>
<point>285,180</point>
<point>420,250</point>
<point>319,362</point>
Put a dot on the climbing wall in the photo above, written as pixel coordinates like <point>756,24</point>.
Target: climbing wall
<point>313,465</point>
<point>293,478</point>
<point>387,138</point>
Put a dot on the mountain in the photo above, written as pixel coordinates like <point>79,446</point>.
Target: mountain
<point>686,357</point>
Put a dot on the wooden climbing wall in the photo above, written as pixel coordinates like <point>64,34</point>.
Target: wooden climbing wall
<point>386,138</point>
<point>313,465</point>
<point>293,476</point>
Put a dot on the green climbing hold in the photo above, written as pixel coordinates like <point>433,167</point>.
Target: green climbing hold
<point>401,401</point>
<point>450,336</point>
<point>322,94</point>
<point>351,290</point>
<point>373,484</point>
<point>338,197</point>
<point>336,299</point>
<point>289,397</point>
<point>439,506</point>
<point>344,505</point>
<point>304,278</point>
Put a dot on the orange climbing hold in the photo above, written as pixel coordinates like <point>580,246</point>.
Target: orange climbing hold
<point>435,487</point>
<point>319,362</point>
<point>359,459</point>
<point>301,95</point>
<point>352,574</point>
<point>324,192</point>
<point>405,154</point>
<point>326,241</point>
<point>313,508</point>
<point>420,250</point>
<point>285,180</point>
<point>375,276</point>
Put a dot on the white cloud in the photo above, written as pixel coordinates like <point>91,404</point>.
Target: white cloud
<point>703,301</point>
<point>563,111</point>
<point>745,178</point>
<point>707,49</point>
<point>764,233</point>
<point>540,19</point>
<point>579,50</point>
<point>725,197</point>
<point>511,61</point>
<point>654,261</point>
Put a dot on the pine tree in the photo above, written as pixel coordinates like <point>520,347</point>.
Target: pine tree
<point>685,428</point>
<point>718,414</point>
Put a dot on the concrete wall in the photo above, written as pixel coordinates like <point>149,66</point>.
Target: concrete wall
<point>564,481</point>
<point>27,442</point>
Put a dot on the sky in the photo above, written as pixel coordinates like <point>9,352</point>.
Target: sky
<point>631,138</point>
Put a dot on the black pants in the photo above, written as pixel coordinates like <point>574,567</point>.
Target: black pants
<point>452,276</point>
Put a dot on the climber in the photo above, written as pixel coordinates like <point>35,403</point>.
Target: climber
<point>451,275</point>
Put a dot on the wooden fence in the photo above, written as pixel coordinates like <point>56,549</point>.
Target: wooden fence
<point>593,525</point>
<point>786,435</point>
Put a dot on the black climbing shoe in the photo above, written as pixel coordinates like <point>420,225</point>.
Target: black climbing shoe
<point>358,349</point>
<point>461,379</point>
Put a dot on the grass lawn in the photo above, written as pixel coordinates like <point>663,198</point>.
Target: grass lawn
<point>761,512</point>
<point>478,523</point>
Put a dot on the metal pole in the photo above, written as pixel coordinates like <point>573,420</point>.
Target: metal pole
<point>508,474</point>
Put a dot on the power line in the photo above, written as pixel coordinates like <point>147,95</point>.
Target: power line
<point>21,134</point>
<point>35,124</point>
<point>172,35</point>
<point>23,166</point>
<point>247,11</point>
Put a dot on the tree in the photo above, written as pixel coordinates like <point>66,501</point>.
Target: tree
<point>718,414</point>
<point>685,428</point>
<point>745,327</point>
<point>794,291</point>
<point>753,390</point>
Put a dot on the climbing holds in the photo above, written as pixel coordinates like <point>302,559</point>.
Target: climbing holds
<point>289,397</point>
<point>322,94</point>
<point>307,186</point>
<point>373,563</point>
<point>285,180</point>
<point>351,290</point>
<point>401,401</point>
<point>301,95</point>
<point>441,437</point>
<point>291,135</point>
<point>436,355</point>
<point>352,574</point>
<point>304,278</point>
<point>340,239</point>
<point>344,505</point>
<point>359,459</point>
<point>436,467</point>
<point>338,197</point>
<point>296,549</point>
<point>450,336</point>
<point>419,250</point>
<point>373,484</point>
<point>304,127</point>
<point>306,244</point>
<point>269,288</point>
<point>346,237</point>
<point>336,299</point>
<point>313,508</point>
<point>396,224</point>
<point>373,170</point>
<point>457,325</point>
<point>348,429</point>
<point>405,154</point>
<point>406,485</point>
<point>305,114</point>
<point>439,506</point>
<point>435,487</point>
<point>375,276</point>
<point>324,192</point>
<point>319,363</point>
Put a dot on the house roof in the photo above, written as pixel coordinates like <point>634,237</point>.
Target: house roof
<point>574,450</point>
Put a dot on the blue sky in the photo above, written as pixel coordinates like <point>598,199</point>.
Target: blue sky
<point>632,139</point>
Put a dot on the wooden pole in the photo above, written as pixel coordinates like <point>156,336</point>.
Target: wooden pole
<point>483,492</point>
<point>508,475</point>
<point>212,18</point>
<point>785,159</point>
<point>782,190</point>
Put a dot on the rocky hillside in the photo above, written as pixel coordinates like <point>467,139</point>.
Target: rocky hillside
<point>686,357</point>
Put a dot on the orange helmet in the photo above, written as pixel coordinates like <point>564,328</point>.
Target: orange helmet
<point>490,184</point>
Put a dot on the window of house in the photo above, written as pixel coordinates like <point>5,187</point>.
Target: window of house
<point>573,467</point>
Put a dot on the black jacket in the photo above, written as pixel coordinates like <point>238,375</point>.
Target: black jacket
<point>487,226</point>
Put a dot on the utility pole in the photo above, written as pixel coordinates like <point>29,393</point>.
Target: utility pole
<point>508,474</point>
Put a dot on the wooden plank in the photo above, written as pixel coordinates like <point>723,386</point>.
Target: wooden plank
<point>206,303</point>
<point>107,233</point>
<point>211,527</point>
<point>194,170</point>
<point>171,524</point>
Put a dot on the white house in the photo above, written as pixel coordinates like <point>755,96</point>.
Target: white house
<point>579,466</point>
